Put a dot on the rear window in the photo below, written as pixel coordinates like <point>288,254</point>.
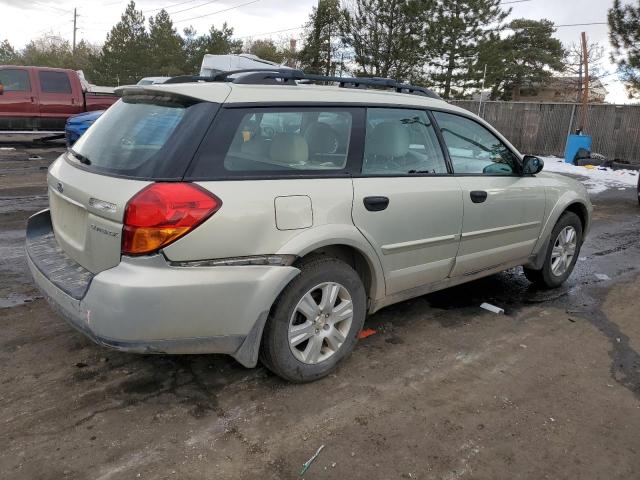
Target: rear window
<point>54,82</point>
<point>144,136</point>
<point>277,141</point>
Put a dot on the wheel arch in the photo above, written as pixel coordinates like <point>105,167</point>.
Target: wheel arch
<point>347,244</point>
<point>570,202</point>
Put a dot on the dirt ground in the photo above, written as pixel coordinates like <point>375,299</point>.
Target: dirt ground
<point>444,390</point>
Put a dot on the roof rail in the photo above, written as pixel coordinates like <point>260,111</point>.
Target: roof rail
<point>290,76</point>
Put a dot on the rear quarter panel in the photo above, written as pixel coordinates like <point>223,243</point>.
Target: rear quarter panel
<point>246,223</point>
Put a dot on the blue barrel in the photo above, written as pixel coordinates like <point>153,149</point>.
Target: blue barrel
<point>575,143</point>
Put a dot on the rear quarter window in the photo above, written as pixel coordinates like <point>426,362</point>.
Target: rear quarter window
<point>145,136</point>
<point>278,141</point>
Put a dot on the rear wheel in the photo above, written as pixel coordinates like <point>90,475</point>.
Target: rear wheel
<point>315,322</point>
<point>562,253</point>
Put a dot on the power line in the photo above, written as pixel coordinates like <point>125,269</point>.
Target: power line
<point>214,13</point>
<point>270,33</point>
<point>514,1</point>
<point>169,6</point>
<point>191,8</point>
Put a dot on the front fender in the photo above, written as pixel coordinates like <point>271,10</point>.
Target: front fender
<point>558,200</point>
<point>333,235</point>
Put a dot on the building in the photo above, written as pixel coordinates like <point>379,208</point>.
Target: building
<point>564,89</point>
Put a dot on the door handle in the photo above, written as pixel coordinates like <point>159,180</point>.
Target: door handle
<point>478,196</point>
<point>375,204</point>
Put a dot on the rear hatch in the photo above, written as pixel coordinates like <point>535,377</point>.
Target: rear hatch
<point>146,137</point>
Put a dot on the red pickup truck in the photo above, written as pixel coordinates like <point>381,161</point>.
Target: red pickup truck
<point>42,98</point>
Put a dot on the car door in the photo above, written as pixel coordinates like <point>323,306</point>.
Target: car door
<point>503,210</point>
<point>18,103</point>
<point>58,101</point>
<point>406,203</point>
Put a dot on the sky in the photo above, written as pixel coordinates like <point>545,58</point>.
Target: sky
<point>22,20</point>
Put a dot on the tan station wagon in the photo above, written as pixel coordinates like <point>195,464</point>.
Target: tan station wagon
<point>260,215</point>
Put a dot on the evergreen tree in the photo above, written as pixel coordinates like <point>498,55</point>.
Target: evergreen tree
<point>322,39</point>
<point>215,42</point>
<point>454,34</point>
<point>266,49</point>
<point>529,58</point>
<point>166,46</point>
<point>624,34</point>
<point>385,36</point>
<point>8,54</point>
<point>125,55</point>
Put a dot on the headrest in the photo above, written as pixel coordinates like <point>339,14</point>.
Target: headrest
<point>388,139</point>
<point>321,138</point>
<point>289,148</point>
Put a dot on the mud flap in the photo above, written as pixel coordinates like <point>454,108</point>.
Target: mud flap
<point>247,354</point>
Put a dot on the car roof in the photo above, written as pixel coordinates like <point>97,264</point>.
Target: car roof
<point>228,93</point>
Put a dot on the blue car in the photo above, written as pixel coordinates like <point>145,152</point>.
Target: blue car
<point>77,124</point>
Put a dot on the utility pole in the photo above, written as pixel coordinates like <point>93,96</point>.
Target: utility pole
<point>585,90</point>
<point>75,28</point>
<point>484,78</point>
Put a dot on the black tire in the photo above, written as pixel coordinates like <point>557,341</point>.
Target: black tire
<point>545,277</point>
<point>275,352</point>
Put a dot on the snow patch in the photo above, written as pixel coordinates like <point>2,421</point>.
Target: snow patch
<point>597,179</point>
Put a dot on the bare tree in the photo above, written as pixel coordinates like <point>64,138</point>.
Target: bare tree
<point>573,63</point>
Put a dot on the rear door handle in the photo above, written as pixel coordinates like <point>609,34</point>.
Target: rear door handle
<point>375,204</point>
<point>478,196</point>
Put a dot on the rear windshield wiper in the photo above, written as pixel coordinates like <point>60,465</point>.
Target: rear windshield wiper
<point>421,171</point>
<point>81,158</point>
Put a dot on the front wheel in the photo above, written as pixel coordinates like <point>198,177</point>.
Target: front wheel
<point>562,253</point>
<point>315,322</point>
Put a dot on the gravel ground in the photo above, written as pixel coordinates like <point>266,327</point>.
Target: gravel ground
<point>444,390</point>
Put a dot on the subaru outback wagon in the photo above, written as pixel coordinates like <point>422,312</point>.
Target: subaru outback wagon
<point>264,218</point>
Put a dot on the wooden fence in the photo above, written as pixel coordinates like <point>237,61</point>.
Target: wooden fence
<point>542,128</point>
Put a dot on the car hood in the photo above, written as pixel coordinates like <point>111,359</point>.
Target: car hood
<point>84,117</point>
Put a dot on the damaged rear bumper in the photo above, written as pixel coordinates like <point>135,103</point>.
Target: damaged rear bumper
<point>144,305</point>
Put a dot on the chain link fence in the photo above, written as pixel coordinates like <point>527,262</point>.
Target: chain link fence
<point>542,128</point>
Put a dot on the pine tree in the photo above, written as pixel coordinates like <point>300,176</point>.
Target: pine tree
<point>265,49</point>
<point>529,59</point>
<point>624,35</point>
<point>215,42</point>
<point>386,36</point>
<point>125,55</point>
<point>322,39</point>
<point>166,46</point>
<point>454,34</point>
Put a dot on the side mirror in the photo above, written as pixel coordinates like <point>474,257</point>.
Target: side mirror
<point>1,88</point>
<point>532,165</point>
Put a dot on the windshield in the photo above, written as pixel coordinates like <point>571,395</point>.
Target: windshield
<point>131,136</point>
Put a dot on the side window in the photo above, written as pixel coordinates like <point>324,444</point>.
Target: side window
<point>289,140</point>
<point>401,142</point>
<point>54,82</point>
<point>473,148</point>
<point>15,80</point>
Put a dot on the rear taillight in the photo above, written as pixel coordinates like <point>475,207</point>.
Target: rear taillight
<point>163,212</point>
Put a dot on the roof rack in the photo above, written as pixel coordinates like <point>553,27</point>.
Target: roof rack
<point>291,76</point>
